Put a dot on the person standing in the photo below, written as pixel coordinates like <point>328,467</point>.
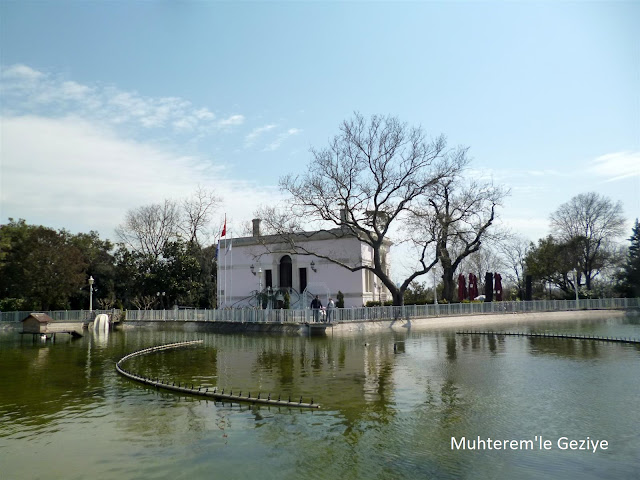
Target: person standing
<point>316,305</point>
<point>330,307</point>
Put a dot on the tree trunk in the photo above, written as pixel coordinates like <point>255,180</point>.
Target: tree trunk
<point>449,286</point>
<point>398,297</point>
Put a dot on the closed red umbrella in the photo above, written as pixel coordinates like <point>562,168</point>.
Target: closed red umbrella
<point>473,286</point>
<point>461,288</point>
<point>498,286</point>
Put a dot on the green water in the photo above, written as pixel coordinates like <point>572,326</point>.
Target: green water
<point>65,412</point>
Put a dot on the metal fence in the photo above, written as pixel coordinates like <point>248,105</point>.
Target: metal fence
<point>252,315</point>
<point>59,315</point>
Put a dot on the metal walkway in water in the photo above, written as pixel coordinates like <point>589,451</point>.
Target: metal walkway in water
<point>192,389</point>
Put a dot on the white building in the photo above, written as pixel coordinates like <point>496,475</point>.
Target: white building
<point>264,263</point>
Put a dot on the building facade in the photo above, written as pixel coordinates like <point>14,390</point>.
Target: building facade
<point>259,270</point>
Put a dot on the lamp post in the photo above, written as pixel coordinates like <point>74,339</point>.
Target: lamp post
<point>260,287</point>
<point>91,280</point>
<point>435,288</point>
<point>575,285</point>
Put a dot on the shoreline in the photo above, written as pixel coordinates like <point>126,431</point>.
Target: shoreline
<point>359,327</point>
<point>470,321</point>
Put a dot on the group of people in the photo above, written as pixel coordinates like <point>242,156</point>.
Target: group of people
<point>316,306</point>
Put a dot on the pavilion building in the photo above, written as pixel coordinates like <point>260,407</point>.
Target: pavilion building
<point>259,270</point>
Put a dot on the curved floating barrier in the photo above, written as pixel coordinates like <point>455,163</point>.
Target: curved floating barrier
<point>555,335</point>
<point>197,390</point>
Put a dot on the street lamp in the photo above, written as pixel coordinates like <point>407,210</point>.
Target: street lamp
<point>91,280</point>
<point>575,285</point>
<point>435,288</point>
<point>260,287</point>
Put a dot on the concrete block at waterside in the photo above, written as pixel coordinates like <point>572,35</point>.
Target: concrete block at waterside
<point>66,327</point>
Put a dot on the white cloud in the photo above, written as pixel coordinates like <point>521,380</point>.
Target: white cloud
<point>232,120</point>
<point>281,138</point>
<point>82,176</point>
<point>78,156</point>
<point>21,72</point>
<point>28,91</point>
<point>616,166</point>
<point>250,139</point>
<point>204,114</point>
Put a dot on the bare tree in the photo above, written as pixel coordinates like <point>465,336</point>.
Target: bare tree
<point>365,185</point>
<point>147,229</point>
<point>457,216</point>
<point>514,250</point>
<point>144,302</point>
<point>595,221</point>
<point>197,212</point>
<point>484,260</point>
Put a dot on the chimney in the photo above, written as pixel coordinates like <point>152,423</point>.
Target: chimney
<point>256,227</point>
<point>343,216</point>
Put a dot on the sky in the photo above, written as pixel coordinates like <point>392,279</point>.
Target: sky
<point>109,106</point>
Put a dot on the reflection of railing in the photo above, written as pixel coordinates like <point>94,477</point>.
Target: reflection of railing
<point>60,315</point>
<point>562,336</point>
<point>257,315</point>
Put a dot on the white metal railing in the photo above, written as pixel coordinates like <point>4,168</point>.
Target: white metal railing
<point>58,315</point>
<point>253,315</point>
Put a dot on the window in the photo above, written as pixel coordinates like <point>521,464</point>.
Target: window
<point>303,279</point>
<point>368,281</point>
<point>286,274</point>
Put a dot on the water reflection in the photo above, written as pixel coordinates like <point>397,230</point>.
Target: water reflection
<point>388,412</point>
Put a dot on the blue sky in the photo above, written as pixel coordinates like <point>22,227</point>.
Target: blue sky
<point>106,106</point>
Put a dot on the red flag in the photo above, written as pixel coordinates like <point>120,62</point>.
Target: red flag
<point>224,229</point>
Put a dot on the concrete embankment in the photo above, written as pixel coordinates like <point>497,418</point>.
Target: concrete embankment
<point>472,321</point>
<point>347,328</point>
<point>219,327</point>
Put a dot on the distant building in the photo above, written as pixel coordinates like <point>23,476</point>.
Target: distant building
<point>266,264</point>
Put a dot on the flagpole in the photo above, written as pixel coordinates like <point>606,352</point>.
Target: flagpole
<point>228,251</point>
<point>226,241</point>
<point>218,274</point>
<point>224,234</point>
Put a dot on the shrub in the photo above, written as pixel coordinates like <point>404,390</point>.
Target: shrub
<point>340,300</point>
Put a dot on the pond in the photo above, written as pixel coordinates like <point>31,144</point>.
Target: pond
<point>396,404</point>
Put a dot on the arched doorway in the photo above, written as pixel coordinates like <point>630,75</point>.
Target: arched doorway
<point>286,272</point>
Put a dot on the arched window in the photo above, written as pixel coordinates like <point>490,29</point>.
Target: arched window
<point>286,269</point>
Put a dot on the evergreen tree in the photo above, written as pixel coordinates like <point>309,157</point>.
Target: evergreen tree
<point>630,275</point>
<point>40,269</point>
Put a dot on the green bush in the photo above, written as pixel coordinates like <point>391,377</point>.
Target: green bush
<point>376,303</point>
<point>13,304</point>
<point>340,300</point>
<point>287,300</point>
